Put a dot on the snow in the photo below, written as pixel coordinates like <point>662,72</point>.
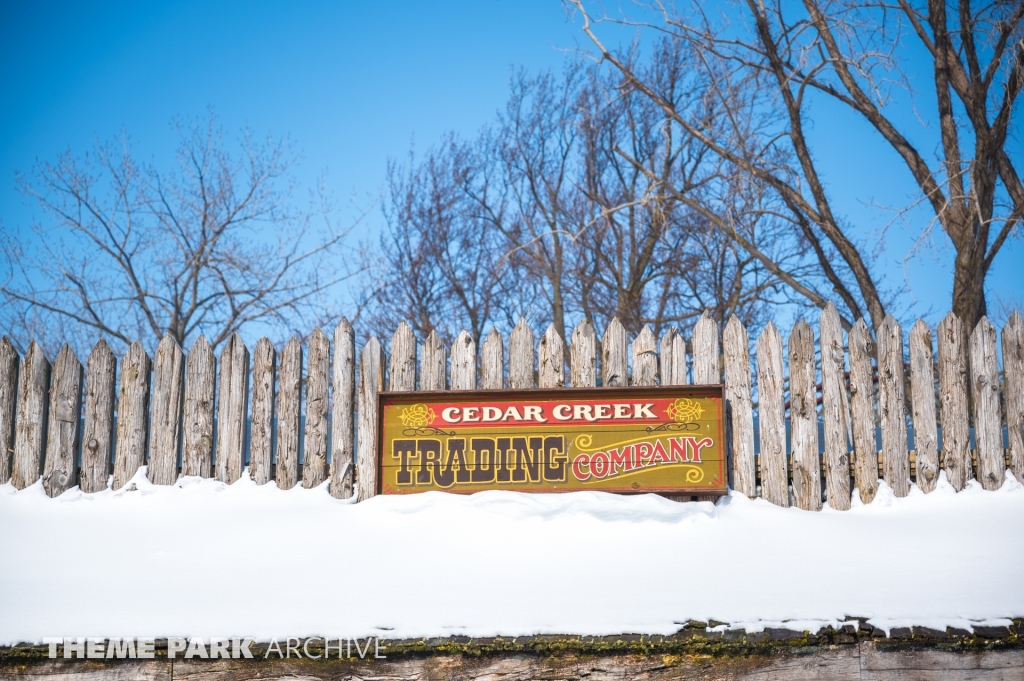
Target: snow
<point>201,558</point>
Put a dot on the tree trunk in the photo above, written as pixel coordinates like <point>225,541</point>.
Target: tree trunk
<point>969,284</point>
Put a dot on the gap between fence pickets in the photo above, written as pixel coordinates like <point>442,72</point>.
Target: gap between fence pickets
<point>165,405</point>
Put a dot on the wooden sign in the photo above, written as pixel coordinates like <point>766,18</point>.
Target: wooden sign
<point>668,440</point>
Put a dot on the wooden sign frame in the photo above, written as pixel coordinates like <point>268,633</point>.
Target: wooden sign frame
<point>659,439</point>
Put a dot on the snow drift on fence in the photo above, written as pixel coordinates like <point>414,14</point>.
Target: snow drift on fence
<point>201,558</point>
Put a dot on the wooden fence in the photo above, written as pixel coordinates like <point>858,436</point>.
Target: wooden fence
<point>165,407</point>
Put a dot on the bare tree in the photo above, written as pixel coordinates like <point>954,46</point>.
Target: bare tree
<point>535,148</point>
<point>130,251</point>
<point>439,264</point>
<point>647,255</point>
<point>576,203</point>
<point>784,55</point>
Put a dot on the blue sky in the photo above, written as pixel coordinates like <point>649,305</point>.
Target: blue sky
<point>352,84</point>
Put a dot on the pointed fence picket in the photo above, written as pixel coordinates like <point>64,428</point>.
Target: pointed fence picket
<point>314,440</point>
<point>261,424</point>
<point>165,412</point>
<point>739,403</point>
<point>132,407</point>
<point>8,392</point>
<point>492,362</point>
<point>234,391</point>
<point>1013,390</point>
<point>197,431</point>
<point>803,416</point>
<point>463,362</point>
<point>774,472</point>
<point>371,382</point>
<point>862,411</point>
<point>165,408</point>
<point>62,433</point>
<point>550,360</point>
<point>922,388</point>
<point>289,415</point>
<point>953,401</point>
<point>342,411</point>
<point>614,371</point>
<point>520,357</point>
<point>835,410</point>
<point>985,391</point>
<point>583,356</point>
<point>98,435</point>
<point>433,363</point>
<point>645,358</point>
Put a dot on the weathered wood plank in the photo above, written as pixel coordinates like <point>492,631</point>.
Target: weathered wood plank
<point>583,356</point>
<point>132,410</point>
<point>30,427</point>
<point>665,367</point>
<point>371,382</point>
<point>433,363</point>
<point>231,408</point>
<point>165,412</point>
<point>673,358</point>
<point>738,397</point>
<point>803,416</point>
<point>520,357</point>
<point>8,393</point>
<point>92,670</point>
<point>922,395</point>
<point>343,411</point>
<point>402,367</point>
<point>956,449</point>
<point>98,435</point>
<point>771,409</point>
<point>1013,390</point>
<point>680,375</point>
<point>314,447</point>
<point>707,368</point>
<point>892,407</point>
<point>551,360</point>
<point>614,348</point>
<point>197,430</point>
<point>838,663</point>
<point>261,428</point>
<point>464,362</point>
<point>835,409</point>
<point>862,410</point>
<point>492,362</point>
<point>988,438</point>
<point>881,664</point>
<point>62,433</point>
<point>645,357</point>
<point>289,414</point>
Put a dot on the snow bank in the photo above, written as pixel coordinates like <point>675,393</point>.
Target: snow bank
<point>206,559</point>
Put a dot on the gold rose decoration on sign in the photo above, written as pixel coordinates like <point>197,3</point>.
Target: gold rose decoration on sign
<point>417,415</point>
<point>684,410</point>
